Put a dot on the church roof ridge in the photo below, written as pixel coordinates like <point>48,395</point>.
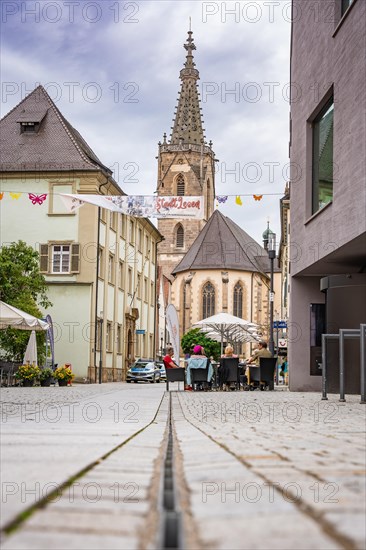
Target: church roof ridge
<point>222,244</point>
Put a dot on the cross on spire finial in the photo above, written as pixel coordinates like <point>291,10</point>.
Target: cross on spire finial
<point>189,45</point>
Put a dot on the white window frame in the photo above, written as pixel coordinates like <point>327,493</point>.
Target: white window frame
<point>61,255</point>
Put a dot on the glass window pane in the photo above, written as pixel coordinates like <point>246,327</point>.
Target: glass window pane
<point>323,157</point>
<point>345,5</point>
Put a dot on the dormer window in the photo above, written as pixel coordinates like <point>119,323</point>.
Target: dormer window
<point>30,122</point>
<point>29,127</point>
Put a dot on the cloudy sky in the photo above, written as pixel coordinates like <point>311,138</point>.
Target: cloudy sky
<point>113,70</point>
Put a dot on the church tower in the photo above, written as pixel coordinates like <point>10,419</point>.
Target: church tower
<point>186,166</point>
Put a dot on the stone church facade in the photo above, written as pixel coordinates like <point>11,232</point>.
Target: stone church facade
<point>186,166</point>
<point>213,266</point>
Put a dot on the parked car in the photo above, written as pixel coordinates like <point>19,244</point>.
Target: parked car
<point>161,366</point>
<point>143,370</point>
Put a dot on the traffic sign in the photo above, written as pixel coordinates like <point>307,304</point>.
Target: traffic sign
<point>279,324</point>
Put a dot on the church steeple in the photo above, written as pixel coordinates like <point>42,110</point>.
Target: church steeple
<point>188,121</point>
<point>186,166</point>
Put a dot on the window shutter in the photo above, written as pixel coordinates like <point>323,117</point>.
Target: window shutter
<point>43,260</point>
<point>75,258</point>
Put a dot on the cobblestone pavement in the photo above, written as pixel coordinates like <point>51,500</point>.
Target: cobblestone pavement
<point>253,470</point>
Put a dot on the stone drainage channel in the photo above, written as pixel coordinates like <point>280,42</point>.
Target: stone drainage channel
<point>172,531</point>
<point>155,521</point>
<point>163,517</point>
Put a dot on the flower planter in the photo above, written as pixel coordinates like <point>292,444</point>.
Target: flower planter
<point>27,383</point>
<point>46,382</point>
<point>62,382</point>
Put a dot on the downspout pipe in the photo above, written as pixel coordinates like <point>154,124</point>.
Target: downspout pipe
<point>156,312</point>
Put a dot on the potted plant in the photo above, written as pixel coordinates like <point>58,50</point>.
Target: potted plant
<point>64,375</point>
<point>27,374</point>
<point>46,376</point>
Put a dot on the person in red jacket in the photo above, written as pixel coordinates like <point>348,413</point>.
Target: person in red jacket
<point>168,359</point>
<point>170,364</point>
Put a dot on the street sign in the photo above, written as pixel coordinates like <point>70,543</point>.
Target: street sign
<point>140,331</point>
<point>271,296</point>
<point>279,324</point>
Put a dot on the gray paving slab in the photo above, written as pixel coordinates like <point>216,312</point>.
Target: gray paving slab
<point>95,512</point>
<point>269,470</point>
<point>38,453</point>
<point>306,458</point>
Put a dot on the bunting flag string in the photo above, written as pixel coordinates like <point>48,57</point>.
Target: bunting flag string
<point>37,199</point>
<point>138,205</point>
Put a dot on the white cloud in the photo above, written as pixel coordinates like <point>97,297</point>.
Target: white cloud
<point>124,61</point>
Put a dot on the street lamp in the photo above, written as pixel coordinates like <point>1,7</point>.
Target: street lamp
<point>100,347</point>
<point>269,242</point>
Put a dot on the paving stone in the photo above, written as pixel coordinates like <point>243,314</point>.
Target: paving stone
<point>44,540</point>
<point>234,447</point>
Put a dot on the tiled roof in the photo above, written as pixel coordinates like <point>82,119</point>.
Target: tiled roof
<point>56,145</point>
<point>222,244</point>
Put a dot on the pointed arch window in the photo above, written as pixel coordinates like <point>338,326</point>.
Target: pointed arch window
<point>208,301</point>
<point>238,300</point>
<point>180,185</point>
<point>179,239</point>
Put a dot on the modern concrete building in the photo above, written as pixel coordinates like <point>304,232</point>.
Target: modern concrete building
<point>328,191</point>
<point>100,266</point>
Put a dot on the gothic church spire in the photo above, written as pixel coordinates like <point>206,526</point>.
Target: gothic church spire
<point>188,121</point>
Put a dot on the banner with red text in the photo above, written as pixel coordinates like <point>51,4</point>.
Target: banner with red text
<point>141,206</point>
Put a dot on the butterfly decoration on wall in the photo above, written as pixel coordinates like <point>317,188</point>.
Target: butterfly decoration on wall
<point>1,196</point>
<point>15,196</point>
<point>222,199</point>
<point>238,200</point>
<point>37,199</point>
<point>257,197</point>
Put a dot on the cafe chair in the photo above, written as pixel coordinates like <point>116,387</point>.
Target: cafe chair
<point>230,373</point>
<point>175,375</point>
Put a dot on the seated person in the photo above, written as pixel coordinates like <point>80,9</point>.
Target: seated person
<point>170,364</point>
<point>223,371</point>
<point>168,359</point>
<point>198,361</point>
<point>261,351</point>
